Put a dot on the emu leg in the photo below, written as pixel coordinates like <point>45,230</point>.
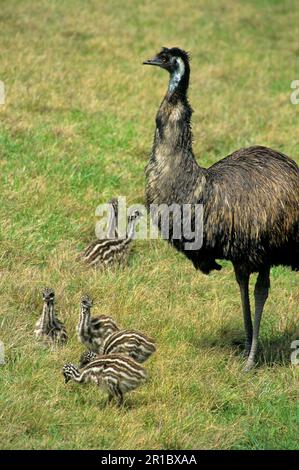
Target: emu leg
<point>114,392</point>
<point>242,278</point>
<point>110,389</point>
<point>261,291</point>
<point>119,395</point>
<point>110,397</point>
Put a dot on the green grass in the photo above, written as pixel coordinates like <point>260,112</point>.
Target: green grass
<point>77,129</point>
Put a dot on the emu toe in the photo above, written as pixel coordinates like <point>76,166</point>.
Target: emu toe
<point>250,364</point>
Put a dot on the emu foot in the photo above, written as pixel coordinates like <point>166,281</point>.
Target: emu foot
<point>112,403</point>
<point>250,364</point>
<point>110,400</point>
<point>251,358</point>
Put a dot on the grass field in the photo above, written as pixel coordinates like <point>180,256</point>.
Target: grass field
<point>77,129</point>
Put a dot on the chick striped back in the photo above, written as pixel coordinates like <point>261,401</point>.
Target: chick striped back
<point>102,326</point>
<point>131,343</point>
<point>99,329</point>
<point>115,368</point>
<point>107,252</point>
<point>112,251</point>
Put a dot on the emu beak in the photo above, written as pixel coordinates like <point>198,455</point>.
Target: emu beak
<point>154,61</point>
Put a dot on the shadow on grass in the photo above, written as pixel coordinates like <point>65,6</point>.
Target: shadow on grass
<point>274,350</point>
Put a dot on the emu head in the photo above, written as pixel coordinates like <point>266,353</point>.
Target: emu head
<point>86,358</point>
<point>176,62</point>
<point>69,371</point>
<point>134,216</point>
<point>86,303</point>
<point>48,295</point>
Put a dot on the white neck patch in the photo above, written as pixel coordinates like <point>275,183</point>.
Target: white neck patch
<point>177,75</point>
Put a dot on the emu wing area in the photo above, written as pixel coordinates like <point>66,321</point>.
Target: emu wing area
<point>251,209</point>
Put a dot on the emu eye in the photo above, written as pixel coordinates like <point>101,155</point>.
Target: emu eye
<point>164,60</point>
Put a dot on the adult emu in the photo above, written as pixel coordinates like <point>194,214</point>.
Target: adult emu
<point>250,198</point>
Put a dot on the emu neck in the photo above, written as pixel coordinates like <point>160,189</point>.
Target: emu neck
<point>131,230</point>
<point>45,320</point>
<point>179,80</point>
<point>51,314</point>
<point>172,171</point>
<point>112,224</point>
<point>77,376</point>
<point>84,321</point>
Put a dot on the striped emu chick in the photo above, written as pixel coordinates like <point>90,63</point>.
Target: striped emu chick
<point>113,250</point>
<point>92,332</point>
<point>115,373</point>
<point>128,342</point>
<point>49,328</point>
